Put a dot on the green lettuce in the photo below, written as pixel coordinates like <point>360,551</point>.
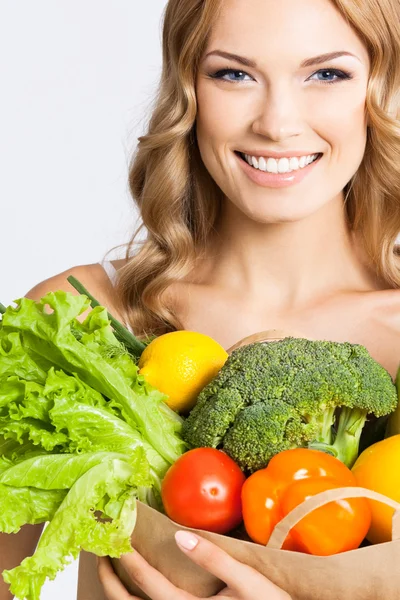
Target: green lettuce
<point>15,359</point>
<point>22,505</point>
<point>75,526</point>
<point>36,431</point>
<point>12,452</point>
<point>91,428</point>
<point>82,435</point>
<point>54,471</point>
<point>53,336</point>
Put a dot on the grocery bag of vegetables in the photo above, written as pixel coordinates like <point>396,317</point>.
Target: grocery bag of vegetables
<point>89,445</point>
<point>364,573</point>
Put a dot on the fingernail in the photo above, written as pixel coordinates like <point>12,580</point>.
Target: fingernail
<point>186,540</point>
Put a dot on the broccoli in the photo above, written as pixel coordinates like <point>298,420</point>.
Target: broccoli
<point>259,430</point>
<point>269,397</point>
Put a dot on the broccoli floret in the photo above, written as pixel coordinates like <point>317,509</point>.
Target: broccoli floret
<point>329,387</point>
<point>215,415</point>
<point>260,431</point>
<point>374,396</point>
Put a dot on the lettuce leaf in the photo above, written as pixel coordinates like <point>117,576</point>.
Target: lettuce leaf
<point>20,398</point>
<point>15,359</point>
<point>74,526</point>
<point>54,471</point>
<point>50,335</point>
<point>59,384</point>
<point>22,505</point>
<point>91,428</point>
<point>12,452</point>
<point>38,432</point>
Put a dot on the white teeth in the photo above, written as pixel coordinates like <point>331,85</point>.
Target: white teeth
<point>262,164</point>
<point>272,165</point>
<point>283,165</point>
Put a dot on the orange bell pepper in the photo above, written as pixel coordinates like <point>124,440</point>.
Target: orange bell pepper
<point>289,479</point>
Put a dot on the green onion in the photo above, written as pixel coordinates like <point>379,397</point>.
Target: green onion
<point>121,333</point>
<point>2,308</point>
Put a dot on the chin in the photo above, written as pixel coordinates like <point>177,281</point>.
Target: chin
<point>279,212</point>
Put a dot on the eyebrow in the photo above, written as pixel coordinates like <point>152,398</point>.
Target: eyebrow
<point>315,60</point>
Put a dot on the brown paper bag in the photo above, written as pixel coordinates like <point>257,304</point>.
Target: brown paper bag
<point>369,573</point>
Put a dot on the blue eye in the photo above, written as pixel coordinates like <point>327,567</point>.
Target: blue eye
<point>329,73</point>
<point>326,75</point>
<point>221,75</point>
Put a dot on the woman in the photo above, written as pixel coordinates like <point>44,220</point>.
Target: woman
<point>269,184</point>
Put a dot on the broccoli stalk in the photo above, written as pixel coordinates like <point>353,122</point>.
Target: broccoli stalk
<point>350,425</point>
<point>323,424</point>
<point>345,447</point>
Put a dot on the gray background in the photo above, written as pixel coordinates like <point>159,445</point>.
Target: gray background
<point>77,78</point>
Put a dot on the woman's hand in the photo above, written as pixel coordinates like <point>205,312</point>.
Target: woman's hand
<point>242,582</point>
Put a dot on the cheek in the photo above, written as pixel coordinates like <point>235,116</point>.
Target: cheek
<point>341,121</point>
<point>220,114</point>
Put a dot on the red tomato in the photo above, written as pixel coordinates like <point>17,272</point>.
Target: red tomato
<point>202,489</point>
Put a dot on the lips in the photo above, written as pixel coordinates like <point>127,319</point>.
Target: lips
<point>298,157</point>
<point>276,180</point>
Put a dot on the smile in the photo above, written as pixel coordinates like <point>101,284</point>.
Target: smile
<point>276,173</point>
<point>281,165</point>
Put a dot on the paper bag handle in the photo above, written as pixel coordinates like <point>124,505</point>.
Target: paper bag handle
<point>270,335</point>
<point>282,529</point>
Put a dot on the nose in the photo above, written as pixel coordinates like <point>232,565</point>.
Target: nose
<point>278,116</point>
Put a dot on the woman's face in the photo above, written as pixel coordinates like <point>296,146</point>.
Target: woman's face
<point>289,101</point>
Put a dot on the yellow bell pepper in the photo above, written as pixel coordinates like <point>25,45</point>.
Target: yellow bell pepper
<point>378,469</point>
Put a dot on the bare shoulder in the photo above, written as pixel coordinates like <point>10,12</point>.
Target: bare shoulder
<point>92,276</point>
<point>119,263</point>
<point>381,329</point>
<point>385,307</point>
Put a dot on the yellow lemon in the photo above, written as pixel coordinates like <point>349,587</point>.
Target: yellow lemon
<point>180,364</point>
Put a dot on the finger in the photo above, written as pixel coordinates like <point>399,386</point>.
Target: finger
<point>111,583</point>
<point>238,576</point>
<point>151,581</point>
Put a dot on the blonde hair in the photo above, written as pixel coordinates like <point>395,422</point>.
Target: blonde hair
<point>178,200</point>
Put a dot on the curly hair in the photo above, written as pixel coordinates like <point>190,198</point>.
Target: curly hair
<point>177,198</point>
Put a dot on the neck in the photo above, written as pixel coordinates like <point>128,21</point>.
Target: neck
<point>292,262</point>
